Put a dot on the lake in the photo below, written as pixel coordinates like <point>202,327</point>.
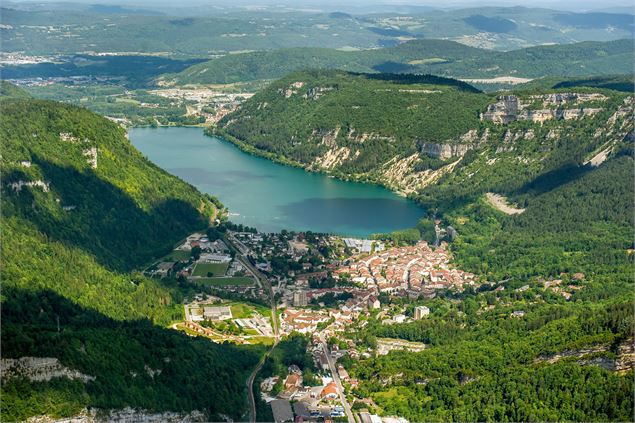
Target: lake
<point>271,196</point>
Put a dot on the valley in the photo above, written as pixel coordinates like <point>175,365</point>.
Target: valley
<point>316,212</point>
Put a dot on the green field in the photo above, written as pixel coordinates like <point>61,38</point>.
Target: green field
<point>176,255</point>
<point>217,269</point>
<point>241,310</point>
<point>225,281</point>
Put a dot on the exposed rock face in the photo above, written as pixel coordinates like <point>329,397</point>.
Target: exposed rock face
<point>445,151</point>
<point>399,174</point>
<point>292,89</point>
<point>126,415</point>
<point>317,92</point>
<point>504,111</point>
<point>625,356</point>
<point>332,158</point>
<point>39,369</point>
<point>17,186</point>
<point>510,108</point>
<point>624,361</point>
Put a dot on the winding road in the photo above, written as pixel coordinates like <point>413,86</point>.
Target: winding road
<point>264,282</point>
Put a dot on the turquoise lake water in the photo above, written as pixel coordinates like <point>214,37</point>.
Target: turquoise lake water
<point>270,196</point>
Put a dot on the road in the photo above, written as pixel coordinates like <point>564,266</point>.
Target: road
<point>264,282</point>
<point>338,383</point>
<point>252,376</point>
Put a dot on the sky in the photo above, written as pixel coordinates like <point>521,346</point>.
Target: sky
<point>329,4</point>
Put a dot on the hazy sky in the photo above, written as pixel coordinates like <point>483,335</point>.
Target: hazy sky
<point>357,6</point>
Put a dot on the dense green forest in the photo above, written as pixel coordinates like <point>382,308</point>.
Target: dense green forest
<point>439,57</point>
<point>483,365</point>
<point>69,245</point>
<point>307,114</point>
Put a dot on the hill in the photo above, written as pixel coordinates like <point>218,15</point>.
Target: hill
<point>9,90</point>
<point>71,30</point>
<point>351,124</point>
<point>448,145</point>
<point>438,57</point>
<point>81,209</point>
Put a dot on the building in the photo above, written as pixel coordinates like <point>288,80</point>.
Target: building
<point>421,312</point>
<point>281,411</point>
<point>292,382</point>
<point>217,313</point>
<point>373,303</point>
<point>300,299</point>
<point>329,391</point>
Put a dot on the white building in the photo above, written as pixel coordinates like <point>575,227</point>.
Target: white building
<point>421,312</point>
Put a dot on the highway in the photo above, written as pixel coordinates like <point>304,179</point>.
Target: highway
<point>338,382</point>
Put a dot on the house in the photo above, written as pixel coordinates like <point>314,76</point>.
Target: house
<point>343,373</point>
<point>292,382</point>
<point>329,391</point>
<point>518,313</point>
<point>373,303</point>
<point>324,363</point>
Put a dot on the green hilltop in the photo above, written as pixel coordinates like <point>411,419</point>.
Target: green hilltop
<point>439,57</point>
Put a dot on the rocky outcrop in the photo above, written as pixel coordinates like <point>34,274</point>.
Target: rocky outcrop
<point>18,185</point>
<point>316,92</point>
<point>39,369</point>
<point>291,90</point>
<point>444,151</point>
<point>399,175</point>
<point>332,158</point>
<point>126,415</point>
<point>504,111</point>
<point>510,108</point>
<point>623,361</point>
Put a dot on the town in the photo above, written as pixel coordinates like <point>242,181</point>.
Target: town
<point>324,287</point>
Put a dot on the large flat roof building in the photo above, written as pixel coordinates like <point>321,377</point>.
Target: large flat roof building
<point>217,313</point>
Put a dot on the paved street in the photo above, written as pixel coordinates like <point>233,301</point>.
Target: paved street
<point>338,383</point>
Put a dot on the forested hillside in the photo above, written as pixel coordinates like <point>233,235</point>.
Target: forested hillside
<point>438,57</point>
<point>81,208</point>
<point>550,338</point>
<point>561,158</point>
<point>407,132</point>
<point>352,124</point>
<point>556,362</point>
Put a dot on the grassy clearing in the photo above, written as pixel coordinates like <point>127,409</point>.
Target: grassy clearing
<point>217,269</point>
<point>241,310</point>
<point>429,61</point>
<point>176,255</point>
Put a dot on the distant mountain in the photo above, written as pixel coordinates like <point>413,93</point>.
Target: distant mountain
<point>439,57</point>
<point>81,208</point>
<point>235,30</point>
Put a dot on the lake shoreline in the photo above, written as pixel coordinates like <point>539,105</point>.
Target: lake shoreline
<point>263,194</point>
<point>249,149</point>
